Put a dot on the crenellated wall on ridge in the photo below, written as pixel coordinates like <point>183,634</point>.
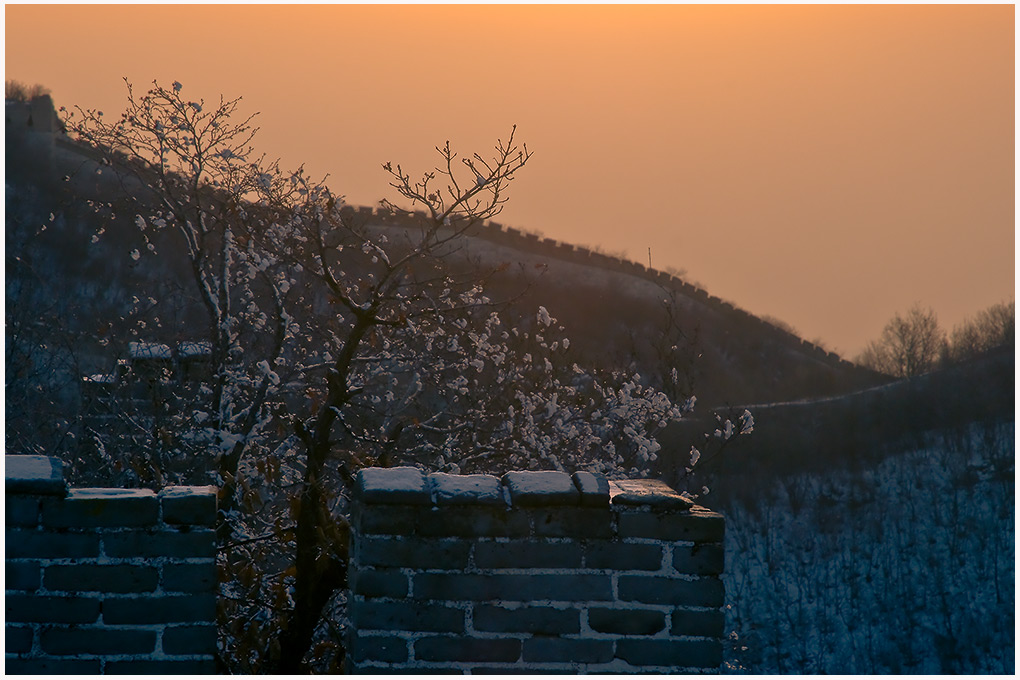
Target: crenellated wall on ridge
<point>499,234</point>
<point>44,119</point>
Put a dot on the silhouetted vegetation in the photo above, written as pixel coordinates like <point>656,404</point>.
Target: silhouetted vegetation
<point>20,92</point>
<point>914,343</point>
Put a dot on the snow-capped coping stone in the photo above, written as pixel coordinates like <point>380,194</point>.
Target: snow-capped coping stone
<point>30,474</point>
<point>465,489</point>
<point>653,492</point>
<point>541,488</point>
<point>188,350</point>
<point>410,486</point>
<point>149,350</point>
<point>190,505</point>
<point>594,488</point>
<point>399,485</point>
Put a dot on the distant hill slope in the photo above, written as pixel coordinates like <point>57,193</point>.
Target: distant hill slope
<point>612,308</point>
<point>855,431</point>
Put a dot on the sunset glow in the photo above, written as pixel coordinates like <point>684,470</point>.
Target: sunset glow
<point>826,165</point>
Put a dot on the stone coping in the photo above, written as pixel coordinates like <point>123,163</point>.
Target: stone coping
<point>29,474</point>
<point>410,486</point>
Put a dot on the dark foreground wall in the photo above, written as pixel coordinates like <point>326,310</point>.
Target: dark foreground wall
<point>537,572</point>
<point>106,580</point>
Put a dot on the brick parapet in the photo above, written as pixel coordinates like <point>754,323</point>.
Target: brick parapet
<point>534,572</point>
<point>107,580</point>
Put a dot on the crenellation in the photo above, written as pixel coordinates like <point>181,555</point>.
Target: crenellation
<point>98,580</point>
<point>561,576</point>
<point>531,572</point>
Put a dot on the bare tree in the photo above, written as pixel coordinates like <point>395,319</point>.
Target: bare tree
<point>910,344</point>
<point>15,90</point>
<point>336,343</point>
<point>990,328</point>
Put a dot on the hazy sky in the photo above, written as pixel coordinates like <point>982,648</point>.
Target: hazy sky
<point>827,165</point>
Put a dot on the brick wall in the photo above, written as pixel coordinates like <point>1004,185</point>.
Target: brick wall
<point>534,572</point>
<point>107,580</point>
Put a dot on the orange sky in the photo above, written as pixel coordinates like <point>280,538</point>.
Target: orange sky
<point>827,165</point>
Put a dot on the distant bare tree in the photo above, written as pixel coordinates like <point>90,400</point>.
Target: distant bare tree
<point>910,344</point>
<point>990,328</point>
<point>15,90</point>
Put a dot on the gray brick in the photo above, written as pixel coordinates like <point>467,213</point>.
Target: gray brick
<point>48,666</point>
<point>568,650</point>
<point>465,489</point>
<point>623,556</point>
<point>574,522</point>
<point>102,508</point>
<point>416,616</point>
<point>535,620</point>
<point>189,505</point>
<point>708,623</point>
<point>513,587</point>
<point>697,527</point>
<point>33,474</point>
<point>703,592</point>
<point>383,668</point>
<point>98,641</point>
<point>412,552</point>
<point>699,559</point>
<point>594,489</point>
<point>466,649</point>
<point>531,669</point>
<point>200,639</point>
<point>190,578</point>
<point>51,609</point>
<point>387,648</point>
<point>379,583</point>
<point>626,621</point>
<point>385,520</point>
<point>49,544</point>
<point>160,544</point>
<point>163,609</point>
<point>473,522</point>
<point>541,488</point>
<point>21,511</point>
<point>22,575</point>
<point>108,578</point>
<point>671,653</point>
<point>17,639</point>
<point>374,668</point>
<point>162,667</point>
<point>525,554</point>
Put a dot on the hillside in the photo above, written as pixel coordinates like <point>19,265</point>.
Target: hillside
<point>875,532</point>
<point>613,309</point>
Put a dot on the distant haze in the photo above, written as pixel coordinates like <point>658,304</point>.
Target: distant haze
<point>826,165</point>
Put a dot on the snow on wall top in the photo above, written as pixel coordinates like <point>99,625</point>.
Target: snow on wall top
<point>652,492</point>
<point>34,475</point>
<point>393,485</point>
<point>99,493</point>
<point>541,488</point>
<point>465,489</point>
<point>409,486</point>
<point>194,349</point>
<point>149,350</point>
